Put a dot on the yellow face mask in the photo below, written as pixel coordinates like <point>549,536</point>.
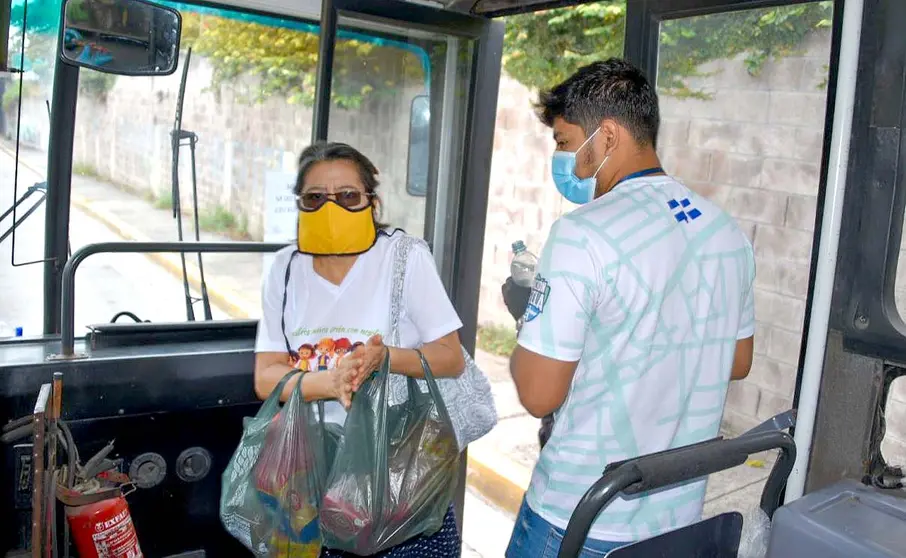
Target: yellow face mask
<point>332,230</point>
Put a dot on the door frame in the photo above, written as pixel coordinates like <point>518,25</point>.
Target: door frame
<point>460,268</point>
<point>643,20</point>
<point>644,17</point>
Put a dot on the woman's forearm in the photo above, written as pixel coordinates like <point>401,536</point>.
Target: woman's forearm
<point>315,385</point>
<point>445,361</point>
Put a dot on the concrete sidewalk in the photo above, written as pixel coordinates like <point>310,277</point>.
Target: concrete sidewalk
<point>499,465</point>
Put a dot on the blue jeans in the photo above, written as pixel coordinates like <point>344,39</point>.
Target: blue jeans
<point>533,537</point>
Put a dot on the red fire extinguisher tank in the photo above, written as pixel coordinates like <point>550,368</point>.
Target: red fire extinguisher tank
<point>104,530</point>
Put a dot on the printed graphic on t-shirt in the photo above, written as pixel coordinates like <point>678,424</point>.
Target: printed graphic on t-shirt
<point>324,348</point>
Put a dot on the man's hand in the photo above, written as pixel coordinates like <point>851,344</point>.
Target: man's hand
<point>515,297</point>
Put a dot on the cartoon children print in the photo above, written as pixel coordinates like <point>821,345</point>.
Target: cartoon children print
<point>326,354</point>
<point>303,363</point>
<point>342,347</point>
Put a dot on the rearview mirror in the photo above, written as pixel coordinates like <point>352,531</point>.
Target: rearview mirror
<point>419,140</point>
<point>122,37</point>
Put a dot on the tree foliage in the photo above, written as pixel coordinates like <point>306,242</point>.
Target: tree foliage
<point>544,48</point>
<point>265,57</point>
<point>283,61</point>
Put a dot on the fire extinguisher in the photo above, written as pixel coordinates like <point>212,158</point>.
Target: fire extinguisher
<point>102,528</point>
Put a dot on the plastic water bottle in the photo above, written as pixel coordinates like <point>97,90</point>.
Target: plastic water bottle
<point>522,268</point>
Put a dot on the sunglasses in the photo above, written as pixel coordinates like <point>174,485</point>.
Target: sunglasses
<point>348,199</point>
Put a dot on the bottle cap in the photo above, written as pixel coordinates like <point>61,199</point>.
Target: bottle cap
<point>518,246</point>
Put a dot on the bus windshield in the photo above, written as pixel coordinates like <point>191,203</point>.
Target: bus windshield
<point>244,87</point>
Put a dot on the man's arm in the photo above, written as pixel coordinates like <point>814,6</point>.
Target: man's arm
<point>742,358</point>
<point>745,334</point>
<point>541,382</point>
<point>563,300</point>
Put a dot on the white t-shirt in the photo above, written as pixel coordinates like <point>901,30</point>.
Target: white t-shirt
<point>324,321</point>
<point>648,287</point>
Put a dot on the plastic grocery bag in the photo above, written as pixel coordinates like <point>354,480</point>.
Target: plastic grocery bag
<point>272,484</point>
<point>395,468</point>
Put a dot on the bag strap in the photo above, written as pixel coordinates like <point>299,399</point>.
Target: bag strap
<point>433,389</point>
<point>289,349</point>
<point>270,404</point>
<point>399,280</point>
<point>289,266</point>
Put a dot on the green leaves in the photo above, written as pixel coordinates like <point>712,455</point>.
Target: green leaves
<point>544,48</point>
<point>276,60</point>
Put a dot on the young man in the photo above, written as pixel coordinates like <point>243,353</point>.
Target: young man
<point>641,313</point>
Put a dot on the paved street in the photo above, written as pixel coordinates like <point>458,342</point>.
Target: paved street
<point>109,283</point>
<point>105,283</point>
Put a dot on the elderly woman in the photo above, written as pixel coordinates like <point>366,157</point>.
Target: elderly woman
<point>327,304</point>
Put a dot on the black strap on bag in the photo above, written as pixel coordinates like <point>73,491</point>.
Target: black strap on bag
<point>289,267</point>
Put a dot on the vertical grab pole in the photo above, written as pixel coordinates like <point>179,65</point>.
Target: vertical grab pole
<point>828,244</point>
<point>327,39</point>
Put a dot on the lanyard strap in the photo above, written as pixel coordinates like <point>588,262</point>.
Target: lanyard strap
<point>639,174</point>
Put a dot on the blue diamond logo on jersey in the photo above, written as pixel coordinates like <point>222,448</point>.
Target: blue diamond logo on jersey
<point>541,289</point>
<point>684,215</point>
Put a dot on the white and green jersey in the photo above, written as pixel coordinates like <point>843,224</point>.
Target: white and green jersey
<point>648,287</point>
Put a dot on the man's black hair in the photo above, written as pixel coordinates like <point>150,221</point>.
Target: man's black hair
<point>611,89</point>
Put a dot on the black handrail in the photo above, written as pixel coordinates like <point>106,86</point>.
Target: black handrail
<point>67,311</point>
<point>674,466</point>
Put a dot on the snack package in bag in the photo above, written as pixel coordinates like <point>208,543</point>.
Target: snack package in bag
<point>395,469</point>
<point>272,485</point>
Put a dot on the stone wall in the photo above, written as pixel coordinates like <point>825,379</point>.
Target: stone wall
<point>125,138</point>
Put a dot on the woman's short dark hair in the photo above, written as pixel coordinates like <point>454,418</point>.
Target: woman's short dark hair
<point>323,151</point>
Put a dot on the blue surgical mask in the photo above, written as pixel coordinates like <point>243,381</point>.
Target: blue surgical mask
<point>563,168</point>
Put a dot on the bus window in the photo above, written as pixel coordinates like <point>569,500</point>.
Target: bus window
<point>25,118</point>
<point>382,105</point>
<point>744,127</point>
<point>246,91</point>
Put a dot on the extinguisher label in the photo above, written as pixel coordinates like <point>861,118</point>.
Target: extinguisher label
<point>116,538</point>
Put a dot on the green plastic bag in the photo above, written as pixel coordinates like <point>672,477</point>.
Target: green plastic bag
<point>272,485</point>
<point>395,469</point>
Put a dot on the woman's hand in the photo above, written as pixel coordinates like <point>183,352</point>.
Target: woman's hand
<point>369,358</point>
<point>342,380</point>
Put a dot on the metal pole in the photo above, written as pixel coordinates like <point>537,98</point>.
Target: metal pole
<point>327,43</point>
<point>59,176</point>
<point>67,304</point>
<point>828,243</point>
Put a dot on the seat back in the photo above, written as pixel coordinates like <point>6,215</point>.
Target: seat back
<point>717,537</point>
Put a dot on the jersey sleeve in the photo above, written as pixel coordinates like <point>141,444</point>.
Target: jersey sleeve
<point>270,337</point>
<point>426,302</point>
<point>747,315</point>
<point>564,296</point>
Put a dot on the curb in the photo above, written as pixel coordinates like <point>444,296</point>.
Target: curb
<point>496,478</point>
